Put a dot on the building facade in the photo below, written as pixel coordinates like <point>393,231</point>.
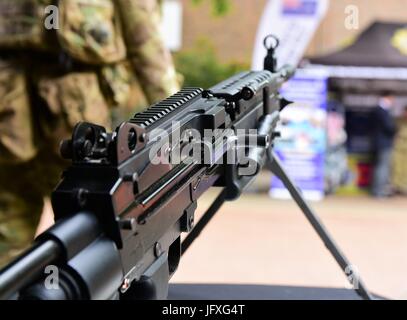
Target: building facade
<point>233,35</point>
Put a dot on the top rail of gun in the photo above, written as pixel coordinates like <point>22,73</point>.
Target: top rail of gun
<point>254,79</point>
<point>165,109</point>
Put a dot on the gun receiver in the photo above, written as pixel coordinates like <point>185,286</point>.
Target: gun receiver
<point>120,213</point>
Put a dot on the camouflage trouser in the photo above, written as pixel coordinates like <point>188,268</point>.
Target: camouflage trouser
<point>38,108</point>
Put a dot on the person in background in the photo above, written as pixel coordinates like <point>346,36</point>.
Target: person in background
<point>399,174</point>
<point>384,134</point>
<point>51,78</point>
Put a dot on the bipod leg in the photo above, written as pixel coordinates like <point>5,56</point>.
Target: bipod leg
<point>202,223</point>
<point>355,280</point>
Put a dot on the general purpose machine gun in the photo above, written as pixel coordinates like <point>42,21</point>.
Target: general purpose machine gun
<point>123,204</point>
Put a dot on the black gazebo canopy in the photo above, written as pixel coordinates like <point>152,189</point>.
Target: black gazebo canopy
<point>375,62</point>
<point>376,46</point>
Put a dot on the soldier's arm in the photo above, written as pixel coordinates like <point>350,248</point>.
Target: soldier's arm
<point>151,60</point>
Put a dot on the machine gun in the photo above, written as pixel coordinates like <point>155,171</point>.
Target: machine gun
<point>123,204</point>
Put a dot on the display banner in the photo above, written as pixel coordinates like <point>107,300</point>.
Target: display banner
<point>303,141</point>
<point>294,22</point>
<point>171,24</point>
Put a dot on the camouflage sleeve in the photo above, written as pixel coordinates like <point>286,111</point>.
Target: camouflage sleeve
<point>152,62</point>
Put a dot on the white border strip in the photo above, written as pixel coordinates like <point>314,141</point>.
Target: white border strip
<point>359,72</point>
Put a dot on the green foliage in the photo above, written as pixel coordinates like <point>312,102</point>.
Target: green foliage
<point>200,66</point>
<point>219,7</point>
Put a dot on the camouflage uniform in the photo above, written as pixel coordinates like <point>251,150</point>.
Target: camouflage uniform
<point>52,78</point>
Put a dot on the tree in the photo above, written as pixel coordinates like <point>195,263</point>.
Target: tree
<point>219,7</point>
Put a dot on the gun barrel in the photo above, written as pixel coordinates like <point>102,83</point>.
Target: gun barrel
<point>27,268</point>
<point>55,246</point>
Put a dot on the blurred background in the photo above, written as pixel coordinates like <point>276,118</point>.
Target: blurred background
<point>352,59</point>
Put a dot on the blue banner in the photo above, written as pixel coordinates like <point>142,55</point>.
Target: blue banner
<point>300,7</point>
<point>303,141</point>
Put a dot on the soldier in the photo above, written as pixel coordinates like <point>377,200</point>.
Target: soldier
<point>384,133</point>
<point>57,72</point>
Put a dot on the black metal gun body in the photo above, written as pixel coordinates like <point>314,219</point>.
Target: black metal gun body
<point>119,215</point>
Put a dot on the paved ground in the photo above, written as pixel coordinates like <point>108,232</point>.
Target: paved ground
<point>259,241</point>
